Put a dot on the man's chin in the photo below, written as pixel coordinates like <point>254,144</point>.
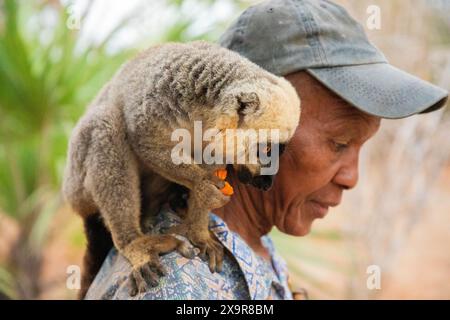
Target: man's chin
<point>297,229</point>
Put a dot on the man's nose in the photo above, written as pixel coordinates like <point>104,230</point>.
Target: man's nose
<point>347,175</point>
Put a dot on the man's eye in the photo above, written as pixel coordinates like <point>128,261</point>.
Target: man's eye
<point>338,146</point>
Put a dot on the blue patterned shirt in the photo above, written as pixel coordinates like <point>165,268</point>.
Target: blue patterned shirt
<point>245,275</point>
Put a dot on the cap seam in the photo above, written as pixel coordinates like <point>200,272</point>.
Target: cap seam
<point>311,28</point>
<point>321,49</point>
<point>241,27</point>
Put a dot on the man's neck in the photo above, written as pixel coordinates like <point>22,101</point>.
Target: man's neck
<point>243,218</point>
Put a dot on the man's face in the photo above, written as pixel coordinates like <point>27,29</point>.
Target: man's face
<point>321,160</point>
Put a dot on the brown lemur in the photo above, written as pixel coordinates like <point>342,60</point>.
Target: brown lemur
<point>119,157</point>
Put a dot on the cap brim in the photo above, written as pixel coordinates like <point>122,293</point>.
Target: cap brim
<point>381,89</point>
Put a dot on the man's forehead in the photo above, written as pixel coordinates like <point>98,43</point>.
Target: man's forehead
<point>340,116</point>
<point>339,110</point>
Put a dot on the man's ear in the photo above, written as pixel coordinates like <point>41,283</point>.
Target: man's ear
<point>248,103</point>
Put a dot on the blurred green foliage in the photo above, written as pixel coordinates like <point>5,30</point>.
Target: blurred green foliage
<point>185,18</point>
<point>45,85</point>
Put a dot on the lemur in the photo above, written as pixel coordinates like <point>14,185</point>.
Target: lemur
<point>120,150</point>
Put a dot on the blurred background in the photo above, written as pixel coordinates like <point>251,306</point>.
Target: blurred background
<point>56,55</point>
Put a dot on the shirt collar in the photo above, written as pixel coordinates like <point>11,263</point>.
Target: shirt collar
<point>259,274</point>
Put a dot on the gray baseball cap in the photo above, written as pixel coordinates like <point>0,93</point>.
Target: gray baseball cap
<point>284,36</point>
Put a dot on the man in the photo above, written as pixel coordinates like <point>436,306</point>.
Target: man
<point>346,86</point>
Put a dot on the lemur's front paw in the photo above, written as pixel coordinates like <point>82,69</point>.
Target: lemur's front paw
<point>143,254</point>
<point>209,194</point>
<point>211,250</point>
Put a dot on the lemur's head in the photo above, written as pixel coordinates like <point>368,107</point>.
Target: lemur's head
<point>270,109</point>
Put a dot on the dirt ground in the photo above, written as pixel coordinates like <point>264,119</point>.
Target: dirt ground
<point>422,271</point>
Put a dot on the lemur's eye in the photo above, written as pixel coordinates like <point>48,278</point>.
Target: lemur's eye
<point>264,150</point>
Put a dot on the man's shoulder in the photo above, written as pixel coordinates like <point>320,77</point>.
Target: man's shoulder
<point>192,279</point>
<point>185,279</point>
<point>244,274</point>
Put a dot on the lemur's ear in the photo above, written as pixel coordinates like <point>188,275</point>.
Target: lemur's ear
<point>248,103</point>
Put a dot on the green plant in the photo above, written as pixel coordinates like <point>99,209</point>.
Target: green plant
<point>45,84</point>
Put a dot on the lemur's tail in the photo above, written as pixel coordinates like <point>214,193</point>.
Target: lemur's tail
<point>99,243</point>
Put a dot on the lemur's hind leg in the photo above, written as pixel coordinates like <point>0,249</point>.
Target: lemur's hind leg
<point>204,195</point>
<point>112,178</point>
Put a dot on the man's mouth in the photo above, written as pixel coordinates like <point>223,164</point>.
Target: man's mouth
<point>327,203</point>
<point>321,207</point>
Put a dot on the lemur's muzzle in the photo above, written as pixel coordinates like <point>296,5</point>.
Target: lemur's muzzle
<point>263,182</point>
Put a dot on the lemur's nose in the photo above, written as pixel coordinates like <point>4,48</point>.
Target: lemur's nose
<point>244,175</point>
<point>263,182</point>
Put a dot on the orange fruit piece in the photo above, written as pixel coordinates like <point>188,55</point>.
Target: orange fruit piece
<point>227,190</point>
<point>221,173</point>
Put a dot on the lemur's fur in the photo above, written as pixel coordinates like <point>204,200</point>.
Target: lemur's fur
<point>120,150</point>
